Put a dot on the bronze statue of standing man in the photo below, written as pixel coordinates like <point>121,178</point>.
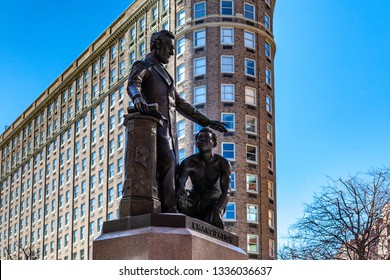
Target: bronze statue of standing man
<point>149,82</point>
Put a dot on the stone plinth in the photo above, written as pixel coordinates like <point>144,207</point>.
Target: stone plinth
<point>140,187</point>
<point>165,237</point>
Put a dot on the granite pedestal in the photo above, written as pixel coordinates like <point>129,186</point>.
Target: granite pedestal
<point>165,237</point>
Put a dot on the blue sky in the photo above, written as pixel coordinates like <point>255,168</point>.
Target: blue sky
<point>331,80</point>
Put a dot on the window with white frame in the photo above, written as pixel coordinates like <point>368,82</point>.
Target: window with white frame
<point>269,132</point>
<point>142,25</point>
<point>270,161</point>
<point>251,183</point>
<point>251,124</point>
<point>230,213</point>
<point>268,78</point>
<point>199,66</point>
<point>227,7</point>
<point>252,244</point>
<point>132,57</point>
<point>268,50</point>
<point>251,153</point>
<point>165,4</point>
<point>249,39</point>
<point>227,36</point>
<point>229,150</point>
<point>229,119</point>
<point>180,46</point>
<point>250,67</point>
<point>180,129</point>
<point>233,181</point>
<point>227,92</point>
<point>165,26</point>
<point>267,21</point>
<point>180,70</point>
<point>154,13</point>
<point>142,49</point>
<point>249,11</point>
<point>133,33</point>
<point>250,96</point>
<point>199,10</point>
<point>268,104</point>
<point>271,191</point>
<point>121,68</point>
<point>113,52</point>
<point>199,38</point>
<point>122,44</point>
<point>227,63</point>
<point>200,95</point>
<point>271,218</point>
<point>271,246</point>
<point>181,18</point>
<point>113,75</point>
<point>251,213</point>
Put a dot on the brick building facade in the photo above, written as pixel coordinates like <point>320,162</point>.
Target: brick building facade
<point>62,160</point>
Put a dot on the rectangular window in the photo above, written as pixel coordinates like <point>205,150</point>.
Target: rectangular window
<point>270,161</point>
<point>229,119</point>
<point>269,132</point>
<point>249,11</point>
<point>250,67</point>
<point>227,8</point>
<point>251,213</point>
<point>250,96</point>
<point>227,36</point>
<point>180,129</point>
<point>180,46</point>
<point>142,49</point>
<point>249,39</point>
<point>199,66</point>
<point>252,244</point>
<point>251,153</point>
<point>233,181</point>
<point>268,104</point>
<point>181,18</point>
<point>230,214</point>
<point>180,73</point>
<point>267,21</point>
<point>154,13</point>
<point>271,218</point>
<point>119,165</point>
<point>113,52</point>
<point>199,10</point>
<point>142,25</point>
<point>251,183</point>
<point>119,189</point>
<point>268,77</point>
<point>92,205</point>
<point>271,245</point>
<point>227,64</point>
<point>165,4</point>
<point>113,75</point>
<point>268,50</point>
<point>110,171</point>
<point>229,151</point>
<point>271,192</point>
<point>199,38</point>
<point>200,95</point>
<point>227,93</point>
<point>251,124</point>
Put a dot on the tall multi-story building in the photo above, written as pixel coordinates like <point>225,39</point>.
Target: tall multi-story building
<point>62,160</point>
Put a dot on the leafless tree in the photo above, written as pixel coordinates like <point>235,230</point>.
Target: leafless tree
<point>348,220</point>
<point>29,252</point>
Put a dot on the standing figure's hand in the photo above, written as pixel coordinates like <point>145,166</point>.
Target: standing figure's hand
<point>141,105</point>
<point>217,125</point>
